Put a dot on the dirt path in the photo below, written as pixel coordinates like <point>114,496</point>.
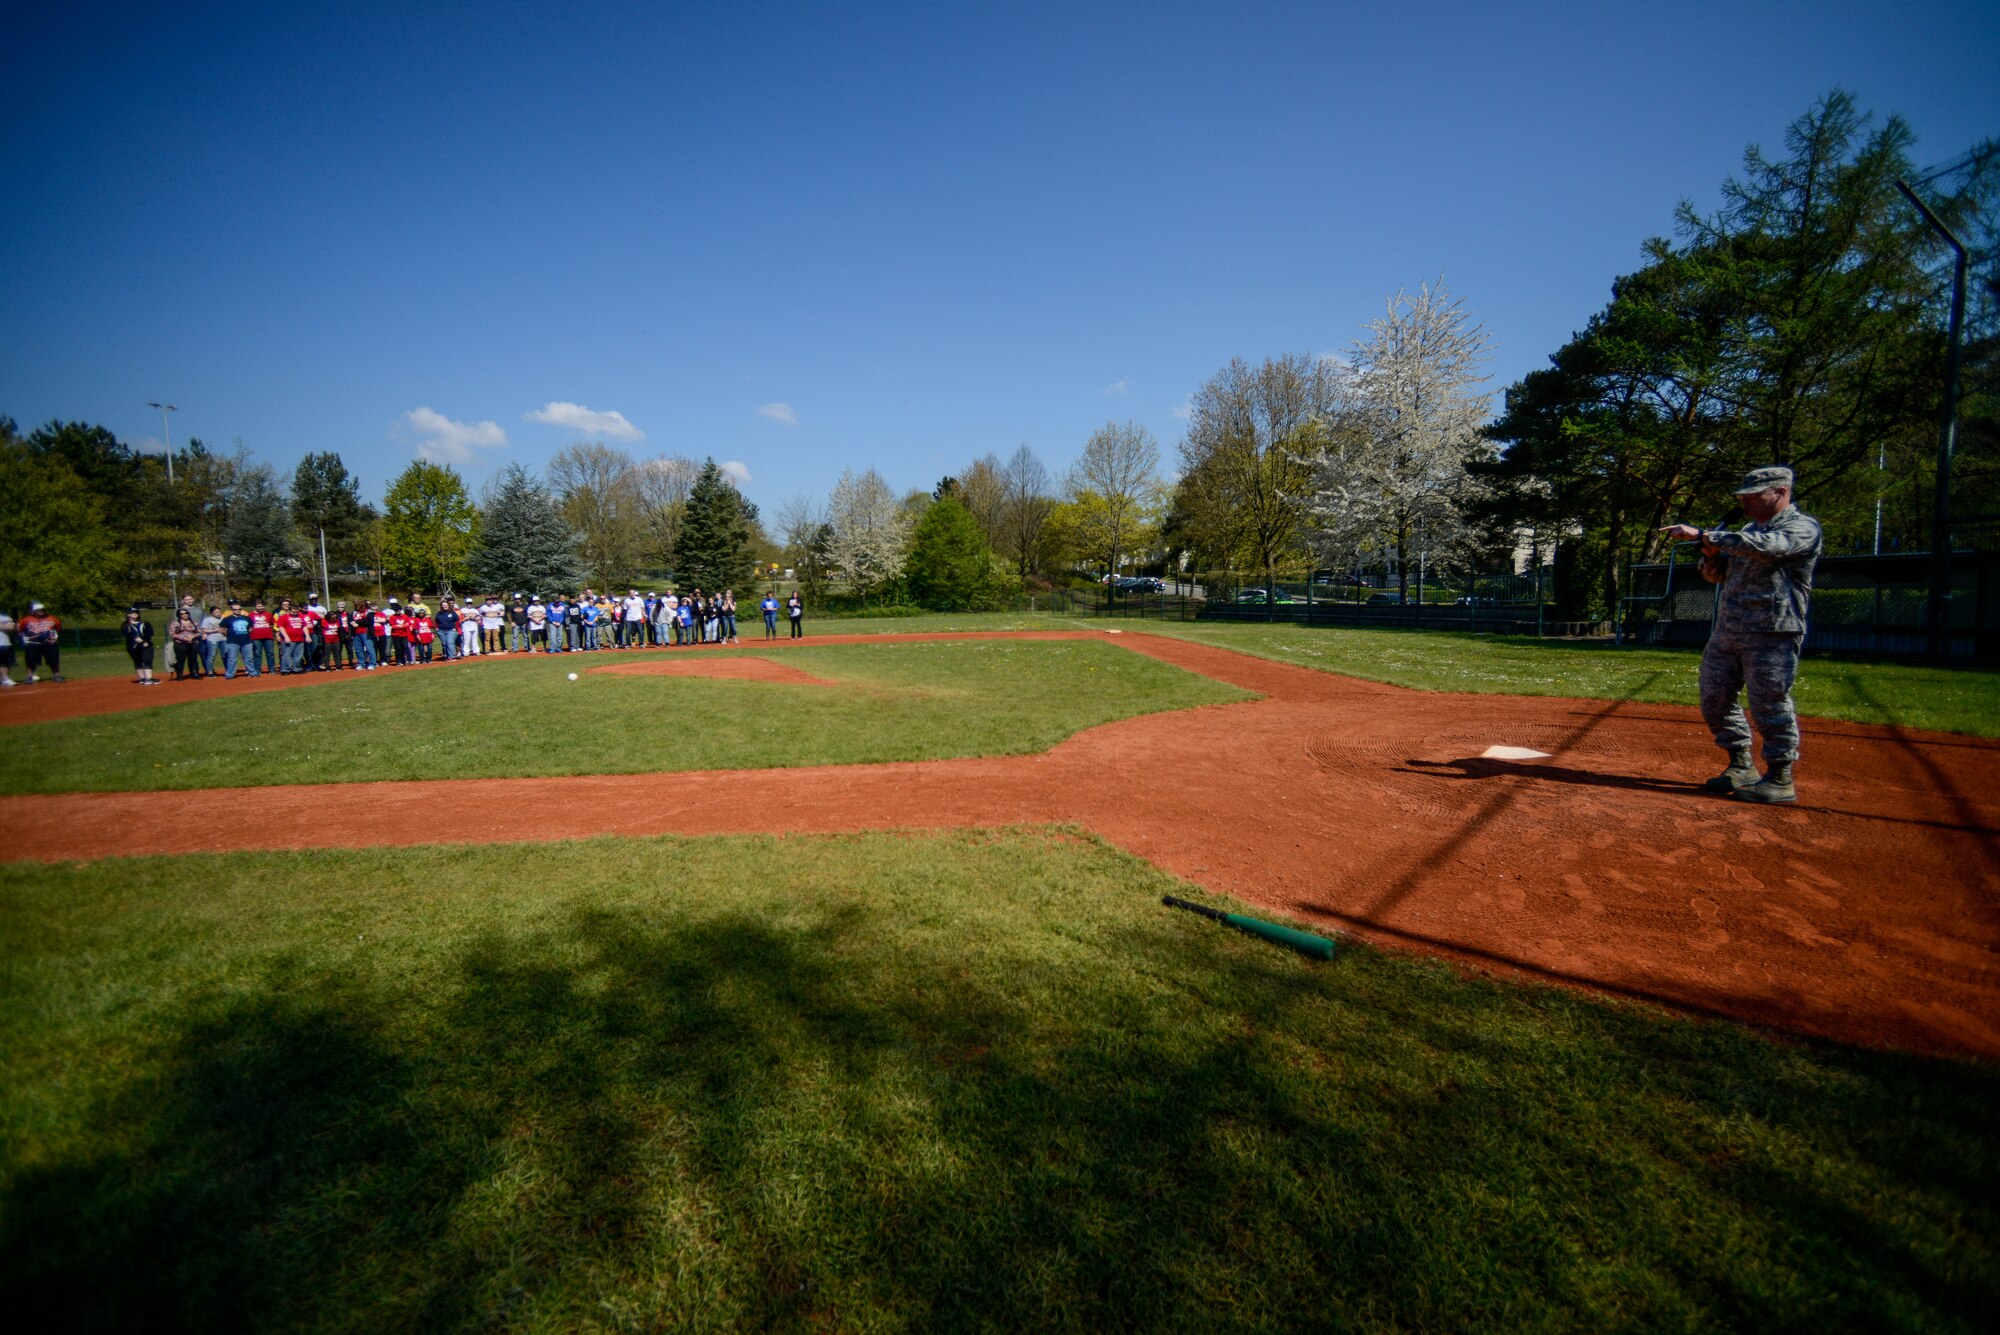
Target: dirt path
<point>1870,912</point>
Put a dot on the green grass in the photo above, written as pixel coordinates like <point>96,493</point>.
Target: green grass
<point>905,1082</point>
<point>521,716</point>
<point>1946,699</point>
<point>80,664</point>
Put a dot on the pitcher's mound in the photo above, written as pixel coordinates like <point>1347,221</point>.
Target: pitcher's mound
<point>735,669</point>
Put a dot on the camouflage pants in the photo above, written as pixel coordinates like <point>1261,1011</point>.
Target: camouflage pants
<point>1766,663</point>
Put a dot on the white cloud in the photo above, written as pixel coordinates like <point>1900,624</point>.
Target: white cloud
<point>445,441</point>
<point>586,421</point>
<point>736,471</point>
<point>1186,411</point>
<point>779,412</point>
<point>1116,388</point>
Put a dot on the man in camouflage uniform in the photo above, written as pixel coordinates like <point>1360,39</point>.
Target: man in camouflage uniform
<point>1765,570</point>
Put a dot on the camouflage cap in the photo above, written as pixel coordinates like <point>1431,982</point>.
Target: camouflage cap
<point>1758,479</point>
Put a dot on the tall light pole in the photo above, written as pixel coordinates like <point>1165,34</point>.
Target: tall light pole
<point>167,430</point>
<point>1947,437</point>
<point>173,569</point>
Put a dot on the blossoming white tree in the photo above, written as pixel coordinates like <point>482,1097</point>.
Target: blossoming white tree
<point>1396,477</point>
<point>870,530</point>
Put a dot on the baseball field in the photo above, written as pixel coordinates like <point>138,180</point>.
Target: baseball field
<point>826,985</point>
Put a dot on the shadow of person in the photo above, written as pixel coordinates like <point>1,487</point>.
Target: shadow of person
<point>1483,767</point>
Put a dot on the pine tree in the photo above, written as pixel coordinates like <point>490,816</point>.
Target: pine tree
<point>326,498</point>
<point>712,550</point>
<point>259,537</point>
<point>525,544</point>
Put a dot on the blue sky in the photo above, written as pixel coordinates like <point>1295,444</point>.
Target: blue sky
<point>811,237</point>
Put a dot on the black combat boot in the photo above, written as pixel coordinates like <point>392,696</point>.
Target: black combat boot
<point>1775,786</point>
<point>1740,774</point>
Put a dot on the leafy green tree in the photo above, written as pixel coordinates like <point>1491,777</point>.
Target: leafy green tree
<point>59,549</point>
<point>713,549</point>
<point>429,524</point>
<point>1247,460</point>
<point>1115,498</point>
<point>525,543</point>
<point>259,538</point>
<point>1796,325</point>
<point>102,462</point>
<point>326,498</point>
<point>950,565</point>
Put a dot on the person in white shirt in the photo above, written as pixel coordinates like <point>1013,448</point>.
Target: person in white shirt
<point>635,620</point>
<point>490,613</point>
<point>538,623</point>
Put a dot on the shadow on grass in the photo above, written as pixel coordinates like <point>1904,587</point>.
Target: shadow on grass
<point>631,1122</point>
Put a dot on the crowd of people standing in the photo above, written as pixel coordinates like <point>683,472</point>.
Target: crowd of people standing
<point>299,637</point>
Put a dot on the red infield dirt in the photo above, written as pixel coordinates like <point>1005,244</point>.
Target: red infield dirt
<point>1869,912</point>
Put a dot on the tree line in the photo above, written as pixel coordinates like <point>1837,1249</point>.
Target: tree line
<point>1799,323</point>
<point>89,522</point>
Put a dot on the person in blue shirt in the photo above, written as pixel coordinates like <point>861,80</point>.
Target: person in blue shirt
<point>770,605</point>
<point>558,617</point>
<point>236,642</point>
<point>587,610</point>
<point>687,621</point>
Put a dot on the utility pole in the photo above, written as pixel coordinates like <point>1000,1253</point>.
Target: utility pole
<point>1940,600</point>
<point>173,569</point>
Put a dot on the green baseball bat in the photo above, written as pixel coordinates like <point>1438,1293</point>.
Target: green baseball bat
<point>1318,947</point>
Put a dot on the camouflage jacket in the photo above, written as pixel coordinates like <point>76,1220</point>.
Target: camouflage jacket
<point>1765,571</point>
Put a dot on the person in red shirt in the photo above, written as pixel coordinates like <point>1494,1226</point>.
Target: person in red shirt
<point>362,645</point>
<point>423,631</point>
<point>332,627</point>
<point>41,641</point>
<point>399,634</point>
<point>263,654</point>
<point>289,629</point>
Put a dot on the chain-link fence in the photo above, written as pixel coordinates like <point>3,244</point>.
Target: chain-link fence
<point>1865,604</point>
<point>1504,603</point>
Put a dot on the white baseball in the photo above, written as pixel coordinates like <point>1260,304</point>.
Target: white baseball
<point>572,676</point>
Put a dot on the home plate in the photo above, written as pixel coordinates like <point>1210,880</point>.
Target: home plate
<point>1512,753</point>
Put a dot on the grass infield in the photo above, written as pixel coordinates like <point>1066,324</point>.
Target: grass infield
<point>523,717</point>
<point>923,1082</point>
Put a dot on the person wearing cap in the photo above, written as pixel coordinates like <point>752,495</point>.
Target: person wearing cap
<point>8,633</point>
<point>138,634</point>
<point>139,644</point>
<point>517,625</point>
<point>538,624</point>
<point>1765,569</point>
<point>41,642</point>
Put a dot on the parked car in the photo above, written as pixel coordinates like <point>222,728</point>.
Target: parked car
<point>1386,600</point>
<point>1263,597</point>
